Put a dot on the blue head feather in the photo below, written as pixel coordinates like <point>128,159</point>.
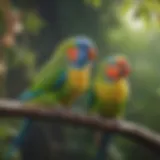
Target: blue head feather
<point>83,45</point>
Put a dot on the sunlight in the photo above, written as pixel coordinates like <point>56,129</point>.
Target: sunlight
<point>134,24</point>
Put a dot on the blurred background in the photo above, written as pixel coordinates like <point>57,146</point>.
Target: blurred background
<point>29,33</point>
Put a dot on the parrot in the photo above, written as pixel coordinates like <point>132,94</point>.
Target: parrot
<point>64,78</point>
<point>108,95</point>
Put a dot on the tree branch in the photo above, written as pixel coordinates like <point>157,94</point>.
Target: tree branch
<point>130,130</point>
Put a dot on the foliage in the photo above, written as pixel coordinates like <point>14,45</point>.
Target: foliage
<point>140,46</point>
<point>24,56</point>
<point>21,54</point>
<point>94,3</point>
<point>146,10</point>
<point>33,23</point>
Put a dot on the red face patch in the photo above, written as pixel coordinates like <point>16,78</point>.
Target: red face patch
<point>72,54</point>
<point>112,72</point>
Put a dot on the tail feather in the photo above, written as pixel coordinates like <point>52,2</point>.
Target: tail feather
<point>18,141</point>
<point>104,145</point>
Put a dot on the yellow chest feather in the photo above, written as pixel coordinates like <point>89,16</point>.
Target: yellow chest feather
<point>117,91</point>
<point>79,79</point>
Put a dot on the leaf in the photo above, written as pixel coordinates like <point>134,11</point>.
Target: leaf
<point>97,3</point>
<point>23,56</point>
<point>147,20</point>
<point>94,3</point>
<point>152,6</point>
<point>33,23</point>
<point>126,6</point>
<point>30,61</point>
<point>6,131</point>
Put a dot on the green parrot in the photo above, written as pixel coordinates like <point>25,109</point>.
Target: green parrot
<point>64,78</point>
<point>108,95</point>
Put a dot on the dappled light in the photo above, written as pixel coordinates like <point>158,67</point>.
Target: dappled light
<point>134,24</point>
<point>83,77</point>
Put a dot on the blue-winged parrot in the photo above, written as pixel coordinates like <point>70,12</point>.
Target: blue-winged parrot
<point>64,78</point>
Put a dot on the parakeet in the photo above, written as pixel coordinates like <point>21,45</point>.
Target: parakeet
<point>64,78</point>
<point>108,95</point>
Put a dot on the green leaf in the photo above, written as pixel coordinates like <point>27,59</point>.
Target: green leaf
<point>24,56</point>
<point>97,3</point>
<point>5,131</point>
<point>147,20</point>
<point>126,6</point>
<point>33,23</point>
<point>94,3</point>
<point>30,60</point>
<point>153,6</point>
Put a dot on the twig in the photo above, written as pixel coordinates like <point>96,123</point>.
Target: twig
<point>130,130</point>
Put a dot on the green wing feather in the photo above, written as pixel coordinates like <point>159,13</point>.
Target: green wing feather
<point>123,106</point>
<point>51,70</point>
<point>49,74</point>
<point>92,105</point>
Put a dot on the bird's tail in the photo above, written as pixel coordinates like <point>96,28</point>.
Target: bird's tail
<point>103,147</point>
<point>17,142</point>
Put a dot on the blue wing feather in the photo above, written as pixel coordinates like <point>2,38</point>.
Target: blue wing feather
<point>60,81</point>
<point>29,95</point>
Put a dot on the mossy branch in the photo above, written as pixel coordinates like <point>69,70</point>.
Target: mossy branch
<point>140,134</point>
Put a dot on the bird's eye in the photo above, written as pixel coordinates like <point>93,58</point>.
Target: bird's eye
<point>72,54</point>
<point>92,54</point>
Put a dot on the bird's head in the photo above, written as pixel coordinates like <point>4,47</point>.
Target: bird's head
<point>82,53</point>
<point>117,67</point>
